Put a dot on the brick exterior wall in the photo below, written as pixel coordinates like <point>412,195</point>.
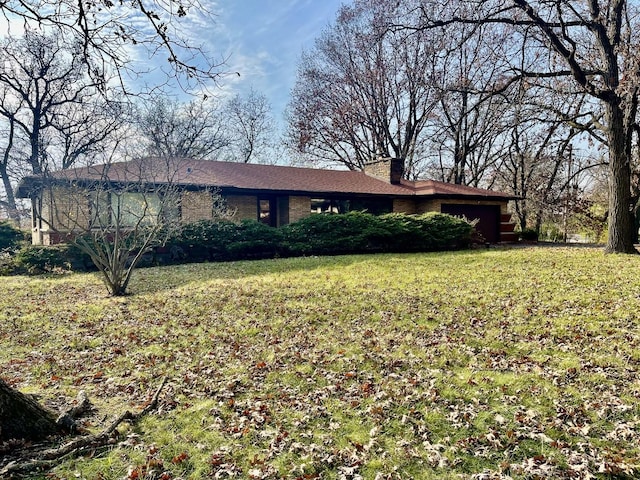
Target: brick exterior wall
<point>299,207</point>
<point>246,206</point>
<point>386,169</point>
<point>424,206</point>
<point>196,206</point>
<point>407,206</point>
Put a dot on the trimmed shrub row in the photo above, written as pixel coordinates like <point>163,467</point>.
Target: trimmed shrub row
<point>10,236</point>
<point>350,233</point>
<point>18,256</point>
<point>38,259</point>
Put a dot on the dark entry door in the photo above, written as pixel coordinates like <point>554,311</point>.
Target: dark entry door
<point>488,216</point>
<point>273,210</point>
<point>267,211</point>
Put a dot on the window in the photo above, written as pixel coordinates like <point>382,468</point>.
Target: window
<point>131,208</point>
<point>375,206</point>
<point>126,209</point>
<point>100,207</point>
<point>264,211</point>
<point>329,205</point>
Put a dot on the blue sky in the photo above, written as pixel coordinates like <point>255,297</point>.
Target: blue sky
<point>263,40</point>
<point>260,39</point>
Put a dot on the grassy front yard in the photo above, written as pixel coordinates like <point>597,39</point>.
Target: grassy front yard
<point>518,363</point>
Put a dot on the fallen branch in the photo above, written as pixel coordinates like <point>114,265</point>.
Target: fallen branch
<point>47,459</point>
<point>68,418</point>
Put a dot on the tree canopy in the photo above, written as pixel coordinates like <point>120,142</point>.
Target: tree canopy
<point>52,113</point>
<point>107,31</point>
<point>455,88</point>
<point>590,47</point>
<point>363,92</point>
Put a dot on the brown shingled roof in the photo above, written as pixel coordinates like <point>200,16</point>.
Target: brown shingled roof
<point>256,177</point>
<point>431,187</point>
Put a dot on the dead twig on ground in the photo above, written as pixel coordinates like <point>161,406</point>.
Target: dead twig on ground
<point>47,459</point>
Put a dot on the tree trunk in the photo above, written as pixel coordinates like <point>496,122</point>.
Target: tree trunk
<point>12,207</point>
<point>620,215</point>
<point>23,418</point>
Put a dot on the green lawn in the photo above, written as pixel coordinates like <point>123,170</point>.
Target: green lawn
<point>512,363</point>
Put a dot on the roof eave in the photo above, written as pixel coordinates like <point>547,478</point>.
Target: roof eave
<point>455,196</point>
<point>303,193</point>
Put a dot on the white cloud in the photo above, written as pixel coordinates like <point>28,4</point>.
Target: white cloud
<point>265,39</point>
<point>259,39</point>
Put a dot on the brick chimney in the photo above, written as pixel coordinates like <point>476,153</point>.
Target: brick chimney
<point>386,169</point>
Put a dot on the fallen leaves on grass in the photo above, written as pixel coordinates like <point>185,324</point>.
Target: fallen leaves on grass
<point>501,364</point>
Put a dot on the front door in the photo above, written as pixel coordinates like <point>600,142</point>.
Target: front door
<point>266,211</point>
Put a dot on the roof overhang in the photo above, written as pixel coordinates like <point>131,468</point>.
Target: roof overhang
<point>250,179</point>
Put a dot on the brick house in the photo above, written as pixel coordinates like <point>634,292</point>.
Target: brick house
<point>275,195</point>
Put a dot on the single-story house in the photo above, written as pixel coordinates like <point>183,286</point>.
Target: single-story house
<point>273,194</point>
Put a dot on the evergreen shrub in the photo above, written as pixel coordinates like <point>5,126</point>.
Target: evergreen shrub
<point>531,235</point>
<point>37,259</point>
<point>254,240</point>
<point>10,236</point>
<point>217,240</point>
<point>330,234</point>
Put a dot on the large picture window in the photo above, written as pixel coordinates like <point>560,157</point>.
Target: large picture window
<point>375,206</point>
<point>125,209</point>
<point>133,208</point>
<point>329,205</point>
<point>100,207</point>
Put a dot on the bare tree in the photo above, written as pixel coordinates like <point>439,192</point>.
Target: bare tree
<point>52,114</point>
<point>107,31</point>
<point>117,212</point>
<point>545,154</point>
<point>592,43</point>
<point>468,139</point>
<point>534,172</point>
<point>467,125</point>
<point>195,129</point>
<point>364,91</point>
<point>250,126</point>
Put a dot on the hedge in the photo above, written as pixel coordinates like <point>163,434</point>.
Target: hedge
<point>38,259</point>
<point>331,234</point>
<point>328,234</point>
<point>223,240</point>
<point>10,236</point>
<point>209,240</point>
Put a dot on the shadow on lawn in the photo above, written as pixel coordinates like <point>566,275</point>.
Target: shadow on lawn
<point>156,279</point>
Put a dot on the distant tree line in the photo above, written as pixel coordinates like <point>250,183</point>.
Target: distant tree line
<point>54,115</point>
<point>538,99</point>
